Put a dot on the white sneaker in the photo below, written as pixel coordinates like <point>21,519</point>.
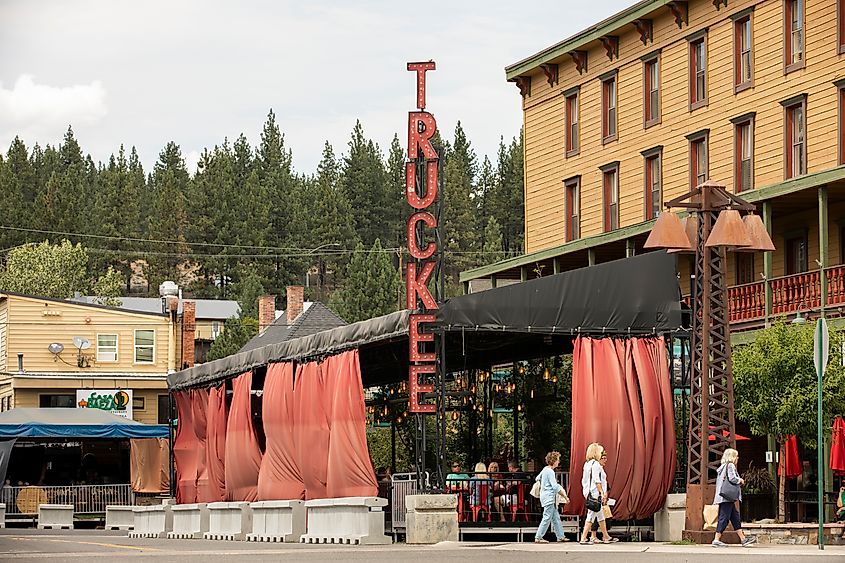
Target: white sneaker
<point>717,543</point>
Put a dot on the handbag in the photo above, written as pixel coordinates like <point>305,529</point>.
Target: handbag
<point>593,503</point>
<point>608,513</point>
<point>729,491</point>
<point>711,516</point>
<point>535,489</point>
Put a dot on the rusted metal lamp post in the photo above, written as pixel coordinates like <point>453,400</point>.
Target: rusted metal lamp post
<point>713,226</point>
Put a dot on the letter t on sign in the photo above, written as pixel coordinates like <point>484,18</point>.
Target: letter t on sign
<point>421,69</point>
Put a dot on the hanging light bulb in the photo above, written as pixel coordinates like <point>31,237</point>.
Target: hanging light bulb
<point>554,379</point>
<point>532,393</point>
<point>521,369</point>
<point>455,415</point>
<point>546,374</point>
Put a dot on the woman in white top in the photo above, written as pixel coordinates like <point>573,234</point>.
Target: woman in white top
<point>594,484</point>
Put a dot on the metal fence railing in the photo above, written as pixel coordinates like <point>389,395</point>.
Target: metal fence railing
<point>86,499</point>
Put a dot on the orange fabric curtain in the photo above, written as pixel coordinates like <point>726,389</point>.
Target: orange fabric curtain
<point>216,419</point>
<point>350,471</point>
<point>149,465</point>
<point>621,398</point>
<point>243,454</point>
<point>311,428</point>
<point>185,449</point>
<point>280,477</point>
<point>199,406</point>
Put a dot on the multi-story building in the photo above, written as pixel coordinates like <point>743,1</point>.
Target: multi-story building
<point>640,108</point>
<point>57,353</point>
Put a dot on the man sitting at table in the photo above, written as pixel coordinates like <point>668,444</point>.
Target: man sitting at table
<point>456,475</point>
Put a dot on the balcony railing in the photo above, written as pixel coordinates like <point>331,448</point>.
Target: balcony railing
<point>747,302</point>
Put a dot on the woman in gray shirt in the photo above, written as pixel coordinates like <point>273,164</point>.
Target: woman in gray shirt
<point>727,508</point>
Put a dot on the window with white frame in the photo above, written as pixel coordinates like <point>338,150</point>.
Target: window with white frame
<point>106,347</point>
<point>145,346</point>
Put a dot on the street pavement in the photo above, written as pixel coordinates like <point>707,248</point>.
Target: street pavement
<point>22,545</point>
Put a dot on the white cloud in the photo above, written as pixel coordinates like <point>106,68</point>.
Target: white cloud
<point>40,112</point>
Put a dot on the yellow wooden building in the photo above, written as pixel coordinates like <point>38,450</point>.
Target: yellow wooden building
<point>637,109</point>
<point>51,349</point>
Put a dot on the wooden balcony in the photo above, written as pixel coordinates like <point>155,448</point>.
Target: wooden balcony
<point>747,302</point>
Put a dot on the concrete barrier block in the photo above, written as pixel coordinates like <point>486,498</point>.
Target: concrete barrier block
<point>55,516</point>
<point>190,521</point>
<point>228,521</point>
<point>350,520</point>
<point>669,520</point>
<point>2,514</point>
<point>277,521</point>
<point>119,517</point>
<point>431,518</point>
<point>154,521</point>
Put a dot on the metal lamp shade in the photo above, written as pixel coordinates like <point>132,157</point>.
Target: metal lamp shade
<point>760,239</point>
<point>690,225</point>
<point>668,233</point>
<point>729,230</point>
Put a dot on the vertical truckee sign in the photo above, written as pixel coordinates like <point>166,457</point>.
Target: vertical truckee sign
<point>421,192</point>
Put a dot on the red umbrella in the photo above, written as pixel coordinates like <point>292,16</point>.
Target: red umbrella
<point>837,447</point>
<point>793,462</point>
<point>725,433</point>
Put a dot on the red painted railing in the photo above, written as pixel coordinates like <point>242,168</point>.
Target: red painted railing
<point>747,301</point>
<point>835,284</point>
<point>789,294</point>
<point>798,291</point>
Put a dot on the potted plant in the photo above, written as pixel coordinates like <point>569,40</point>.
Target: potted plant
<point>757,494</point>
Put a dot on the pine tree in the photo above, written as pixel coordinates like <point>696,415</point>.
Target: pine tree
<point>236,333</point>
<point>397,204</point>
<point>364,182</point>
<point>507,197</point>
<point>461,236</point>
<point>17,186</point>
<point>371,287</point>
<point>168,220</point>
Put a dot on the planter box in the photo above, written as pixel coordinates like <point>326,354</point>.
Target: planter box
<point>277,521</point>
<point>351,520</point>
<point>55,516</point>
<point>190,521</point>
<point>228,521</point>
<point>119,517</point>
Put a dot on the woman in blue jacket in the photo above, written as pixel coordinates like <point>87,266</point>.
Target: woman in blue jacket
<point>549,490</point>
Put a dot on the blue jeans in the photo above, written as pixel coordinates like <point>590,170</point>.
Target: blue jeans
<point>550,516</point>
<point>728,513</point>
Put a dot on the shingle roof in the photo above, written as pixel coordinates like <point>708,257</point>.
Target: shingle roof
<point>315,318</point>
<point>218,309</point>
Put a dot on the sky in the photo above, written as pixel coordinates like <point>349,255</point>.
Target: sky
<point>197,72</point>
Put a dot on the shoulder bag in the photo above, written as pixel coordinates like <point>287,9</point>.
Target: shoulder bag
<point>729,491</point>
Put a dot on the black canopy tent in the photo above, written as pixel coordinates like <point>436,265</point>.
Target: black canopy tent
<point>632,296</point>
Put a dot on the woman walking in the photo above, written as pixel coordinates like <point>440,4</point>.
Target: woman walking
<point>594,488</point>
<point>728,491</point>
<point>549,490</point>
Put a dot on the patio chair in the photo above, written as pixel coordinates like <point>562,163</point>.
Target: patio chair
<point>521,503</point>
<point>481,500</point>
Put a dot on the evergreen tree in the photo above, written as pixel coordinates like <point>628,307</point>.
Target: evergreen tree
<point>371,287</point>
<point>364,182</point>
<point>236,333</point>
<point>17,186</point>
<point>461,235</point>
<point>168,219</point>
<point>397,204</point>
<point>507,197</point>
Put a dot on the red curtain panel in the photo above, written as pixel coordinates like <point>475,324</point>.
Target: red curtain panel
<point>149,465</point>
<point>216,420</point>
<point>280,477</point>
<point>311,428</point>
<point>350,471</point>
<point>185,449</point>
<point>837,447</point>
<point>243,454</point>
<point>621,398</point>
<point>199,408</point>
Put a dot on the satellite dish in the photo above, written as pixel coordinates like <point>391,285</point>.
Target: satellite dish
<point>56,348</point>
<point>81,342</point>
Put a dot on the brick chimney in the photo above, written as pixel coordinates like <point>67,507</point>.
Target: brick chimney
<point>189,327</point>
<point>296,296</point>
<point>266,311</point>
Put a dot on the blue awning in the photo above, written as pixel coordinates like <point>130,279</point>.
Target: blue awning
<point>73,423</point>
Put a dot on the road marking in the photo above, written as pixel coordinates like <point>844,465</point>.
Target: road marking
<point>140,548</point>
